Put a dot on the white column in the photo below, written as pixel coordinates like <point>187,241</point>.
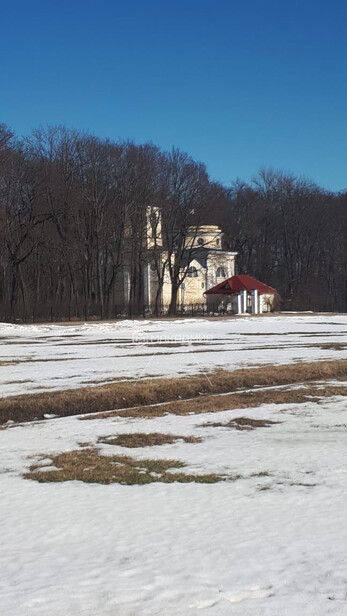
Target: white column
<point>236,303</point>
<point>243,301</point>
<point>181,295</point>
<point>233,267</point>
<point>255,306</point>
<point>147,285</point>
<point>260,303</point>
<point>126,287</point>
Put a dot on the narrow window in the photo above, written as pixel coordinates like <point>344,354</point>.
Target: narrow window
<point>220,272</point>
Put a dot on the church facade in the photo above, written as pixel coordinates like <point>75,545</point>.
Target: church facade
<point>206,276</point>
<point>204,264</point>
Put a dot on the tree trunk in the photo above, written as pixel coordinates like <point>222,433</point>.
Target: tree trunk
<point>173,302</point>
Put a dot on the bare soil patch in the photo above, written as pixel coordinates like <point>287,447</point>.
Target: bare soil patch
<point>122,395</point>
<point>89,466</point>
<point>141,439</point>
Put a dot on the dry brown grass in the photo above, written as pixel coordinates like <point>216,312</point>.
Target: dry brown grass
<point>236,400</point>
<point>110,379</point>
<point>10,362</point>
<point>241,423</point>
<point>141,439</point>
<point>153,391</point>
<point>31,360</point>
<point>333,346</point>
<point>90,466</point>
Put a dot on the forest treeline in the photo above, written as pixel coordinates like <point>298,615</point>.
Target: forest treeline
<point>74,211</point>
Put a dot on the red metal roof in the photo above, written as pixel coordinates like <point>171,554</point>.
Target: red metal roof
<point>237,283</point>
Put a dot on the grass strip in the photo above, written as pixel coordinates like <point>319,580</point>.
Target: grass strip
<point>236,400</point>
<point>153,391</point>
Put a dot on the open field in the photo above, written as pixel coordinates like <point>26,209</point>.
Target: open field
<point>232,502</point>
<point>36,358</point>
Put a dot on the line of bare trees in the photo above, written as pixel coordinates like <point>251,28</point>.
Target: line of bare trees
<point>74,211</point>
<point>292,235</point>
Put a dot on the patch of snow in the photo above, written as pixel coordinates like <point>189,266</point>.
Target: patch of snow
<point>36,358</point>
<point>270,545</point>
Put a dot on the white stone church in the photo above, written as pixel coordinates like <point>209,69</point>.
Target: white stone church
<point>207,275</point>
<point>205,265</point>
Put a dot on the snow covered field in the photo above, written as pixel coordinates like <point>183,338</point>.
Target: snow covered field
<point>50,357</point>
<point>272,542</point>
<point>260,545</point>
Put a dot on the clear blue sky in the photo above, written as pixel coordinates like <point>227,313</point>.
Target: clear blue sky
<point>236,84</point>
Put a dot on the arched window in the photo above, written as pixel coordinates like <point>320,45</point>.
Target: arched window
<point>192,272</point>
<point>220,273</point>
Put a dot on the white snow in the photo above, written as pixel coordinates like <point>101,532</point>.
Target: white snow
<point>53,357</point>
<point>267,545</point>
<point>271,545</point>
